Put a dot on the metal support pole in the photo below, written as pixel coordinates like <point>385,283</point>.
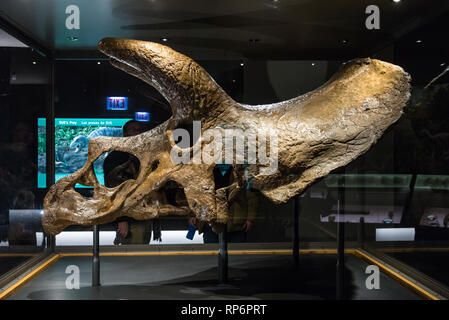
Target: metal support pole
<point>407,217</point>
<point>96,257</point>
<point>53,243</point>
<point>361,233</point>
<point>51,240</point>
<point>340,244</point>
<point>296,209</point>
<point>50,142</point>
<point>223,256</point>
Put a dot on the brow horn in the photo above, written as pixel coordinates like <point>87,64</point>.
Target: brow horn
<point>190,90</point>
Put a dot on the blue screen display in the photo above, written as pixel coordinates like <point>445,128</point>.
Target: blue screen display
<point>72,137</point>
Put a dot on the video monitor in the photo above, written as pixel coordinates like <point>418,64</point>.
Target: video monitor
<point>72,136</point>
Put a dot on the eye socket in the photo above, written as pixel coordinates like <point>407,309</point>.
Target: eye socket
<point>85,191</point>
<point>115,167</point>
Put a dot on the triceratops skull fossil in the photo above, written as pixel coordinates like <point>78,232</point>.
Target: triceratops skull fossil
<point>316,133</point>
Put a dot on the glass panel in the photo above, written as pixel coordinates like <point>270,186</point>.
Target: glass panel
<point>98,100</point>
<point>24,91</point>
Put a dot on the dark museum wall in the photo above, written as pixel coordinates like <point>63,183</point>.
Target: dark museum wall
<point>24,89</point>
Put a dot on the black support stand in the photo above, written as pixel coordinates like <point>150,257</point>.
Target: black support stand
<point>223,257</point>
<point>50,143</point>
<point>296,209</point>
<point>340,243</point>
<point>96,257</point>
<point>361,233</point>
<point>51,240</point>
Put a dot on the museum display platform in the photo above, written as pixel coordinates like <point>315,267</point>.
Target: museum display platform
<point>431,263</point>
<point>10,261</point>
<point>191,274</point>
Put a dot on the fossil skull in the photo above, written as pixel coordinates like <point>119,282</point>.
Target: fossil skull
<point>316,133</point>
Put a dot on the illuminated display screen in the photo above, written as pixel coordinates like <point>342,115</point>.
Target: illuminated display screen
<point>72,137</point>
<point>117,103</point>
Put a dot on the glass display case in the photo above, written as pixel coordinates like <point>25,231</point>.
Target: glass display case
<point>387,210</point>
<point>25,87</point>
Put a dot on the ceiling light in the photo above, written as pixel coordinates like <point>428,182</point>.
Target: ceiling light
<point>242,64</point>
<point>98,62</point>
<point>34,62</point>
<point>344,41</point>
<point>396,1</point>
<point>313,64</point>
<point>164,39</point>
<point>418,41</point>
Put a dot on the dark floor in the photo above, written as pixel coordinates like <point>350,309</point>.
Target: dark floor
<point>433,264</point>
<point>195,277</point>
<point>8,263</point>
